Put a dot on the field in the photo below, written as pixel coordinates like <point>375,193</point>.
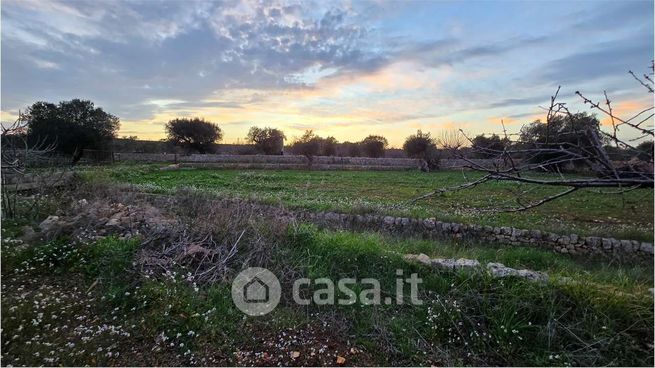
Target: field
<point>626,216</point>
<point>123,279</point>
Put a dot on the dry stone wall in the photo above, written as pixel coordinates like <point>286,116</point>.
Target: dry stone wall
<point>291,161</point>
<point>432,228</point>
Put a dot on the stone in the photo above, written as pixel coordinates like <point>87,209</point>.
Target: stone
<point>607,243</point>
<point>454,264</point>
<point>49,224</point>
<point>429,223</point>
<point>593,241</point>
<point>388,220</point>
<point>574,238</point>
<point>646,248</point>
<point>404,221</point>
<point>516,233</point>
<point>170,167</point>
<point>616,244</point>
<point>626,245</point>
<point>499,270</point>
<point>420,258</point>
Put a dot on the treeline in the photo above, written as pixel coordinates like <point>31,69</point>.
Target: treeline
<point>75,126</point>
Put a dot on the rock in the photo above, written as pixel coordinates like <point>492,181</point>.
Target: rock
<point>388,220</point>
<point>49,224</point>
<point>170,167</point>
<point>454,264</point>
<point>593,241</point>
<point>420,258</point>
<point>429,223</point>
<point>646,248</point>
<point>499,270</point>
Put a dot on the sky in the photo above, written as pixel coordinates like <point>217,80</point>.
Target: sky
<point>343,68</point>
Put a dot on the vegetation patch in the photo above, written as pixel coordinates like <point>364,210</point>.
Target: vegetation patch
<point>585,212</point>
<point>69,302</point>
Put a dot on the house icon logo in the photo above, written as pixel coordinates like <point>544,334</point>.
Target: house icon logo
<point>256,291</point>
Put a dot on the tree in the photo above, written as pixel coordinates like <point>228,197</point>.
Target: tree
<point>70,126</point>
<point>352,149</point>
<point>422,146</point>
<point>570,138</point>
<point>488,147</point>
<point>419,145</point>
<point>193,134</point>
<point>645,151</point>
<point>308,145</point>
<point>374,146</point>
<point>565,139</point>
<point>328,146</point>
<point>269,141</point>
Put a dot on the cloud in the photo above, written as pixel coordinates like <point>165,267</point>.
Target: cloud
<point>612,58</point>
<point>344,66</point>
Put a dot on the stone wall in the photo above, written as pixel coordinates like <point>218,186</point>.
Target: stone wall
<point>431,228</point>
<point>290,161</point>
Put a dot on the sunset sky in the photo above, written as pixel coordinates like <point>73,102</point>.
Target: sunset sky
<point>346,68</point>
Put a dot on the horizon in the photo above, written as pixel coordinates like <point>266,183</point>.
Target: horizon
<point>342,69</point>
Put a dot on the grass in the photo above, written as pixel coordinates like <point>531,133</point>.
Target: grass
<point>586,212</point>
<point>65,303</point>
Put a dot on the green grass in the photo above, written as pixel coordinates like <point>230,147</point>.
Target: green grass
<point>110,305</point>
<point>586,212</point>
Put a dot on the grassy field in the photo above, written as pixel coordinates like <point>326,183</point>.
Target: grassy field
<point>587,212</point>
<point>65,303</point>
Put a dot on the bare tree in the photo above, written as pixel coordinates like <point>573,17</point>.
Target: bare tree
<point>569,140</point>
<point>19,156</point>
